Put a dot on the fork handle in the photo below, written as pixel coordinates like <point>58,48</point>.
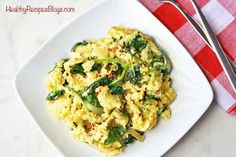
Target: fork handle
<point>216,47</point>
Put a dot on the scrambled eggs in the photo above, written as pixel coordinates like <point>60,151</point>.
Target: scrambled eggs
<point>112,90</point>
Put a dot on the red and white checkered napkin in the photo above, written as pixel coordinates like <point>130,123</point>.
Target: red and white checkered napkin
<point>221,15</point>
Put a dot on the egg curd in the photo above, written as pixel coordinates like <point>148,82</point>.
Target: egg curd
<point>112,90</point>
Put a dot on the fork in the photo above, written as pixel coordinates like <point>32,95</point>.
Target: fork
<point>216,46</point>
<point>196,26</point>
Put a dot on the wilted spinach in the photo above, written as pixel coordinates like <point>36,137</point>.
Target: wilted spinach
<point>134,75</point>
<point>116,89</point>
<point>163,69</point>
<point>158,58</point>
<point>81,43</point>
<point>128,140</point>
<point>89,93</point>
<point>138,44</point>
<point>55,94</point>
<point>100,82</point>
<point>163,109</point>
<point>92,99</point>
<point>96,67</point>
<point>77,69</point>
<point>115,134</point>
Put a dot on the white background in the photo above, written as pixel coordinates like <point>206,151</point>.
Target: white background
<point>21,35</point>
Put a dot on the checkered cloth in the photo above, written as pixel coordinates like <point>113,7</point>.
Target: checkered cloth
<point>221,15</point>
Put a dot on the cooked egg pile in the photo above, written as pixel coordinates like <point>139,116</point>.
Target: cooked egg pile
<point>111,91</point>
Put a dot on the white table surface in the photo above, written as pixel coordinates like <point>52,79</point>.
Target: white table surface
<point>214,135</point>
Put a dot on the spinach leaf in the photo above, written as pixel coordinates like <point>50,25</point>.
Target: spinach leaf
<point>138,44</point>
<point>134,75</point>
<point>55,94</point>
<point>164,70</point>
<point>65,83</point>
<point>96,67</point>
<point>148,99</point>
<point>115,134</point>
<point>150,96</point>
<point>100,82</point>
<point>93,100</point>
<point>63,68</point>
<point>158,58</point>
<point>114,85</point>
<point>89,94</point>
<point>82,43</point>
<point>55,66</point>
<point>127,141</point>
<point>126,114</point>
<point>114,39</point>
<point>118,70</point>
<point>116,89</point>
<point>161,110</point>
<point>77,69</point>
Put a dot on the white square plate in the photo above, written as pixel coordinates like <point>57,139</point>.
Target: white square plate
<point>194,94</point>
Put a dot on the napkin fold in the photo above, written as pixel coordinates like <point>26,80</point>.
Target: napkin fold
<point>221,16</point>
